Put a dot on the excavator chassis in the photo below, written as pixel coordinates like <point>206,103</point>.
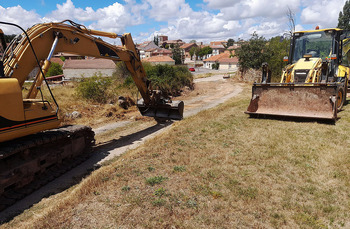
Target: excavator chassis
<point>315,101</point>
<point>26,162</point>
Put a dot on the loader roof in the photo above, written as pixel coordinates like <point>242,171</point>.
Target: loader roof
<point>318,30</point>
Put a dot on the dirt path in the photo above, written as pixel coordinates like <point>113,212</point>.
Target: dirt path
<point>209,92</point>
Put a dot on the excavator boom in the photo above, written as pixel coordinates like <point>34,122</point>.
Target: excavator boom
<point>49,38</point>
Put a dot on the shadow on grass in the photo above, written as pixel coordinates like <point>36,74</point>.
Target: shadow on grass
<point>293,119</point>
<point>76,174</point>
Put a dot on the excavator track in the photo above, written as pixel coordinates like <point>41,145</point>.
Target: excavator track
<point>30,162</point>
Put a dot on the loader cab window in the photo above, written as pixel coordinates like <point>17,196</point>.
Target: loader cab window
<point>317,44</point>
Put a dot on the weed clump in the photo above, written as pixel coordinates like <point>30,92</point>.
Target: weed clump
<point>155,180</point>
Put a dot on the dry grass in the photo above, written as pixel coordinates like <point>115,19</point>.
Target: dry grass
<point>92,114</point>
<point>219,169</point>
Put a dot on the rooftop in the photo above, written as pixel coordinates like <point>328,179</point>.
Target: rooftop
<point>158,59</point>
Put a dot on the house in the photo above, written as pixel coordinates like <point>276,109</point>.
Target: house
<point>228,63</point>
<point>173,43</point>
<point>143,47</point>
<point>225,60</point>
<point>88,68</point>
<point>186,49</point>
<point>217,49</point>
<point>223,43</point>
<point>157,52</point>
<point>161,52</point>
<point>162,38</point>
<point>69,56</point>
<point>154,60</point>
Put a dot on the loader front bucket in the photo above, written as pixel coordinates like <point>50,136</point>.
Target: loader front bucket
<point>170,111</point>
<point>316,101</point>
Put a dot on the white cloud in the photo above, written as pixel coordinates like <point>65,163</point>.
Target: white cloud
<point>164,10</point>
<point>323,13</point>
<point>19,16</point>
<point>242,9</point>
<point>217,20</point>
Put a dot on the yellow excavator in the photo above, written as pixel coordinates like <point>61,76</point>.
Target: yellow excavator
<point>31,141</point>
<point>313,85</point>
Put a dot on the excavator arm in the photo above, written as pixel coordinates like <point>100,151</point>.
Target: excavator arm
<point>49,38</point>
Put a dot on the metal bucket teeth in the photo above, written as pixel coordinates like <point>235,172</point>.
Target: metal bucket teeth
<point>173,111</point>
<point>305,101</point>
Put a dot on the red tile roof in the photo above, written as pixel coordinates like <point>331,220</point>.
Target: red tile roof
<point>188,45</point>
<point>229,60</point>
<point>158,59</point>
<point>57,60</point>
<point>218,57</point>
<point>217,47</point>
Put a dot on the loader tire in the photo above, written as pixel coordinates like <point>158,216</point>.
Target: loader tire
<point>341,96</point>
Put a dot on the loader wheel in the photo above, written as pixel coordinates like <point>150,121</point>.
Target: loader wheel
<point>340,98</point>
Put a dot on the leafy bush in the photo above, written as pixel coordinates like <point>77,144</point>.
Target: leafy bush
<point>94,88</point>
<point>169,79</point>
<point>54,70</point>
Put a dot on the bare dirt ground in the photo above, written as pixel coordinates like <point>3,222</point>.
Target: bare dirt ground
<point>121,136</point>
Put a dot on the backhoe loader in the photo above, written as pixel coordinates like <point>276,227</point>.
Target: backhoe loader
<point>31,141</point>
<point>313,85</point>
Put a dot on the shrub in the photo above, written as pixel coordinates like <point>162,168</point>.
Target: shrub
<point>94,88</point>
<point>54,70</point>
<point>169,79</point>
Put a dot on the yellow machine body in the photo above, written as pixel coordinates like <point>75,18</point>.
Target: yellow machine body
<point>314,83</point>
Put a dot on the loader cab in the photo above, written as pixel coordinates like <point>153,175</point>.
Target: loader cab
<point>319,44</point>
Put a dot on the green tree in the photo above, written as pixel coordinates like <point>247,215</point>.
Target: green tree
<point>177,55</point>
<point>277,49</point>
<point>344,17</point>
<point>194,50</point>
<point>54,70</point>
<point>156,40</point>
<point>230,42</point>
<point>205,51</point>
<point>253,53</point>
<point>9,38</point>
<point>215,66</point>
<point>193,41</point>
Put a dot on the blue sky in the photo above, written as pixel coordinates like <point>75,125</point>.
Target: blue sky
<point>201,20</point>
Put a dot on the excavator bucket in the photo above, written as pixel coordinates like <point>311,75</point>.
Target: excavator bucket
<point>316,101</point>
<point>173,110</point>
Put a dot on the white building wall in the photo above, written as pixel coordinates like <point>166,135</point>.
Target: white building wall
<point>226,66</point>
<point>163,63</point>
<point>78,73</point>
